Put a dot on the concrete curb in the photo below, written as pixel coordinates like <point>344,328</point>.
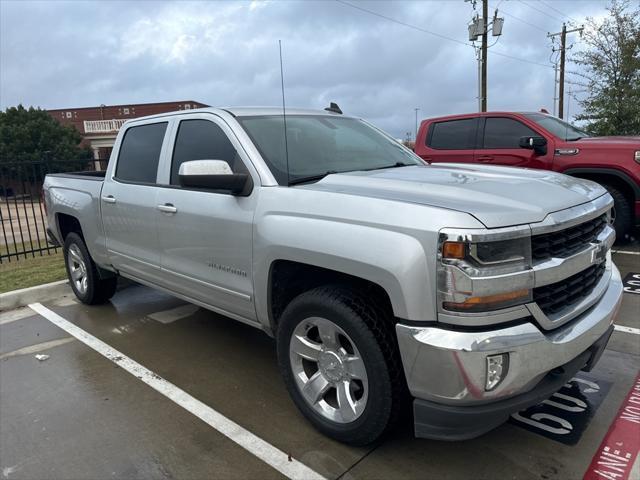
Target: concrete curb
<point>39,293</point>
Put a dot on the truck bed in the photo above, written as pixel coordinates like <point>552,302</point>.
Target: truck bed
<point>77,195</point>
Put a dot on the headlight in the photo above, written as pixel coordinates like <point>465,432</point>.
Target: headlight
<point>483,276</point>
<point>637,156</point>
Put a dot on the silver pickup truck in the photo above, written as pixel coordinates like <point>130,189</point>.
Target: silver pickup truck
<point>471,291</point>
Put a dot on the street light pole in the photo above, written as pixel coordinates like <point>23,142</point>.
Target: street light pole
<point>416,135</point>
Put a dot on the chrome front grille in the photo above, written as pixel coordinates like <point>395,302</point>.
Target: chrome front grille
<point>560,295</point>
<point>564,243</point>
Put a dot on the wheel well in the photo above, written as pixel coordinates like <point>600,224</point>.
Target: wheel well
<point>608,179</point>
<point>68,224</point>
<point>289,279</point>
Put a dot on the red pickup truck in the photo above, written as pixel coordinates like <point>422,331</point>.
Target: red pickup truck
<point>538,140</point>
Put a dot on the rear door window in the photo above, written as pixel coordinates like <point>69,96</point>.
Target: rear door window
<point>505,132</point>
<point>140,153</point>
<point>453,134</point>
<point>203,140</point>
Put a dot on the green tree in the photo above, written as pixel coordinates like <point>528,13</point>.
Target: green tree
<point>611,70</point>
<point>32,134</point>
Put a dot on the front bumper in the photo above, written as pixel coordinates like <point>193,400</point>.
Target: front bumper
<point>446,369</point>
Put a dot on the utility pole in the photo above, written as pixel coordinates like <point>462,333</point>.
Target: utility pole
<point>555,87</point>
<point>485,14</point>
<point>480,96</point>
<point>563,49</point>
<point>479,27</point>
<point>416,136</point>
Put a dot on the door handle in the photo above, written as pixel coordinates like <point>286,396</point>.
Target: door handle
<point>485,159</point>
<point>167,208</point>
<point>109,199</point>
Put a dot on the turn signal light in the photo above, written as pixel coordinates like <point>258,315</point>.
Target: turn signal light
<point>454,250</point>
<point>481,304</point>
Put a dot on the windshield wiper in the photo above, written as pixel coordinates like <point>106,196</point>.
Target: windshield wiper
<point>320,176</point>
<point>395,165</point>
<point>311,178</point>
<point>574,139</point>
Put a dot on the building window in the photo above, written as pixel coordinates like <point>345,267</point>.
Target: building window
<point>187,106</point>
<point>125,111</point>
<point>69,115</point>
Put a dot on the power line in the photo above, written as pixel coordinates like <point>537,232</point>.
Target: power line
<point>541,11</point>
<point>556,10</point>
<point>424,30</point>
<point>523,21</point>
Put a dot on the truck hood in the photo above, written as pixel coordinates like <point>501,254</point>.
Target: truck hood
<point>496,196</point>
<point>610,143</point>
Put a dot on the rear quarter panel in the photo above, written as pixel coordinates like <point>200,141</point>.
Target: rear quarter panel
<point>79,198</point>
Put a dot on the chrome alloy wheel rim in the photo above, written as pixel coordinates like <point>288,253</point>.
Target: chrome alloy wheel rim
<point>328,370</point>
<point>77,269</point>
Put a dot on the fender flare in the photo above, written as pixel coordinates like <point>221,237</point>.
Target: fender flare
<point>635,187</point>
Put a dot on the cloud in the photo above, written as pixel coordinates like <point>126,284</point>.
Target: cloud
<point>72,54</point>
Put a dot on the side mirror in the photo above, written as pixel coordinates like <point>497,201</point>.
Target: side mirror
<point>537,144</point>
<point>212,174</point>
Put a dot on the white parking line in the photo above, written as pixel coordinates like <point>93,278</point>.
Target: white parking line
<point>14,315</point>
<point>622,328</point>
<point>264,451</point>
<point>625,252</point>
<point>40,347</point>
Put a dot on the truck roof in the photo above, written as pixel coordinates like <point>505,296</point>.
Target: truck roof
<point>480,114</point>
<point>243,112</point>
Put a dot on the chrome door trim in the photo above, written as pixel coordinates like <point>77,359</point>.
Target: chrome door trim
<point>129,257</point>
<point>241,295</point>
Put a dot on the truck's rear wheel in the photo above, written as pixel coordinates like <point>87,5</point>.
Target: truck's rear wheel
<point>622,212</point>
<point>340,364</point>
<point>83,274</point>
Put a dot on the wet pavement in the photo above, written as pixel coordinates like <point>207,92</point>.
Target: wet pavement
<point>78,415</point>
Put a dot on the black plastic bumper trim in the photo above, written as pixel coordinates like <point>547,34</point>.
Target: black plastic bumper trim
<point>52,239</point>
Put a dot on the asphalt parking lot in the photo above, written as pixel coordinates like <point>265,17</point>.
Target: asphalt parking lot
<point>81,415</point>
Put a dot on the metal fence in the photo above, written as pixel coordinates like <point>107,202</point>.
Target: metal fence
<point>23,232</point>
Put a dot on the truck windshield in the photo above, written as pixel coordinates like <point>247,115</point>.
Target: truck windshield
<point>557,127</point>
<point>319,144</point>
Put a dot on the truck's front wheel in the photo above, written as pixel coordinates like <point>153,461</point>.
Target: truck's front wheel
<point>622,212</point>
<point>83,273</point>
<point>340,364</point>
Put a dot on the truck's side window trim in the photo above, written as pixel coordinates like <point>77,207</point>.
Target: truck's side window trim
<point>514,139</point>
<point>156,133</point>
<point>224,149</point>
<point>471,136</point>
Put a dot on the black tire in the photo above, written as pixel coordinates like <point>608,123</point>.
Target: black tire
<point>371,329</point>
<point>98,290</point>
<point>623,213</point>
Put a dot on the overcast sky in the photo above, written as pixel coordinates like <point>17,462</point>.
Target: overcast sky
<point>56,54</point>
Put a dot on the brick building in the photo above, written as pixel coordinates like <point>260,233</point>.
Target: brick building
<point>99,125</point>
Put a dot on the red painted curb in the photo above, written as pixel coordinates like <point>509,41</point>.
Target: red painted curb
<point>619,448</point>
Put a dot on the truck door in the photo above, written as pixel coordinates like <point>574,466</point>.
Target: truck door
<point>207,236</point>
<point>450,141</point>
<point>499,144</point>
<point>128,202</point>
